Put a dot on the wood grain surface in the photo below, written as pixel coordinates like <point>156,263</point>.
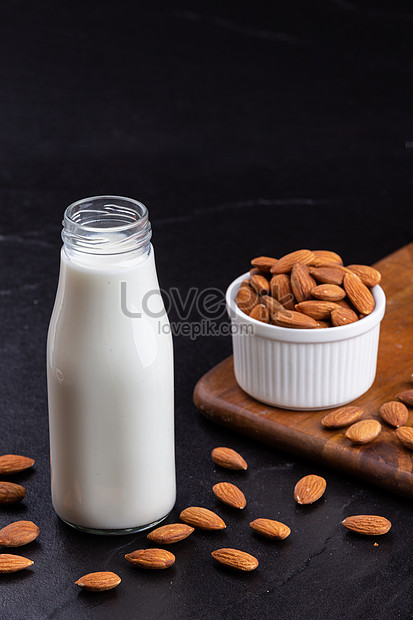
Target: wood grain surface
<point>384,462</point>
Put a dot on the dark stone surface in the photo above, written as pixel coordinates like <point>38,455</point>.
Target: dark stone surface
<point>245,130</point>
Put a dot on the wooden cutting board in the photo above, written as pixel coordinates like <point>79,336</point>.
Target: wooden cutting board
<point>384,462</point>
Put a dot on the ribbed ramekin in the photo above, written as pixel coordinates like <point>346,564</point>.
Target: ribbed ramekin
<point>304,368</point>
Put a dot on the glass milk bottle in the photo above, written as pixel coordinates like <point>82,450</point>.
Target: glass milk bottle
<point>110,373</point>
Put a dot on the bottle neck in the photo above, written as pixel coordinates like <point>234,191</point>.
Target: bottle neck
<point>113,227</point>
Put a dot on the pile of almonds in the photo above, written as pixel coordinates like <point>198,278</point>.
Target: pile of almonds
<point>307,289</point>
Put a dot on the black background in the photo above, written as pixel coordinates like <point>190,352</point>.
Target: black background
<point>246,129</point>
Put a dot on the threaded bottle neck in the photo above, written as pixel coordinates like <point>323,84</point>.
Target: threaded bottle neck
<point>106,225</point>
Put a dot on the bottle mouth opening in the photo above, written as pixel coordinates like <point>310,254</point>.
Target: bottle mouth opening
<point>106,225</point>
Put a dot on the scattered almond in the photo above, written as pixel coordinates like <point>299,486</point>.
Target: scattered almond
<point>406,397</point>
<point>152,559</point>
<point>343,416</point>
<point>202,518</point>
<point>328,292</point>
<point>405,436</point>
<point>364,431</point>
<point>394,413</point>
<point>370,525</point>
<point>309,489</point>
<point>18,533</point>
<point>240,560</point>
<point>11,493</point>
<point>358,293</point>
<point>10,563</point>
<point>168,534</point>
<point>270,528</point>
<point>14,463</point>
<point>228,458</point>
<point>230,494</point>
<point>98,582</point>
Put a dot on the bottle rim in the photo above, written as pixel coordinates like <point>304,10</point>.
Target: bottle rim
<point>106,224</point>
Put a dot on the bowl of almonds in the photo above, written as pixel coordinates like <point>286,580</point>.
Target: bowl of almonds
<point>305,329</point>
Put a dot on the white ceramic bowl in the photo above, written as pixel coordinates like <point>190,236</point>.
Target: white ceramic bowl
<point>304,368</point>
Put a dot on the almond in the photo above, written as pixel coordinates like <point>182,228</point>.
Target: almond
<point>344,303</point>
<point>394,413</point>
<point>152,559</point>
<point>271,304</point>
<point>240,560</point>
<point>202,518</point>
<point>344,416</point>
<point>18,533</point>
<point>406,397</point>
<point>264,263</point>
<point>14,463</point>
<point>364,431</point>
<point>230,494</point>
<point>405,436</point>
<point>10,563</point>
<point>343,316</point>
<point>257,272</point>
<point>316,309</point>
<point>280,286</point>
<point>328,292</point>
<point>246,299</point>
<point>323,324</point>
<point>290,318</point>
<point>286,262</point>
<point>328,275</point>
<point>246,282</point>
<point>270,528</point>
<point>301,282</point>
<point>11,493</point>
<point>368,275</point>
<point>358,293</point>
<point>228,458</point>
<point>309,489</point>
<point>260,284</point>
<point>98,582</point>
<point>260,313</point>
<point>168,534</point>
<point>370,525</point>
<point>325,257</point>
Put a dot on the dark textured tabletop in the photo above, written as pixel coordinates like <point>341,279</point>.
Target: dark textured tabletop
<point>246,130</point>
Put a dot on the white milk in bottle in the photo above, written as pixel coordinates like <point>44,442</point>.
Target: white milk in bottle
<point>110,373</point>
